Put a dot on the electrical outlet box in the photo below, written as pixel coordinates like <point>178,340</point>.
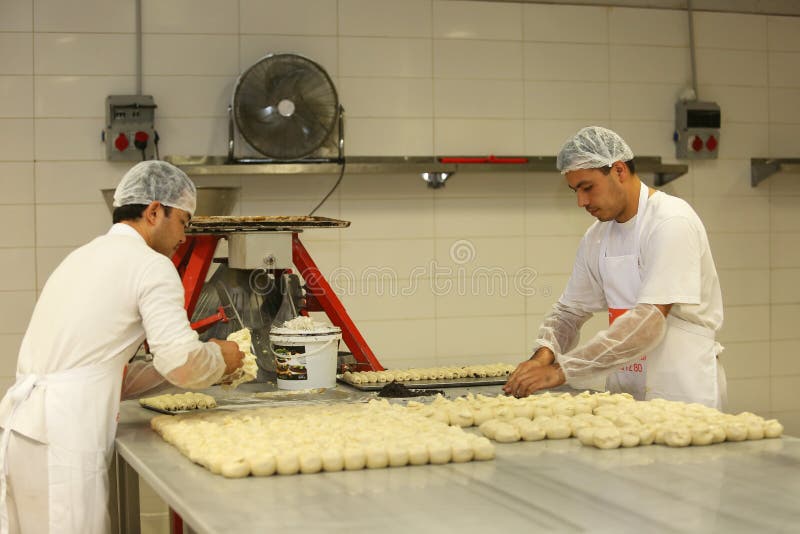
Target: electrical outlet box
<point>697,129</point>
<point>130,133</point>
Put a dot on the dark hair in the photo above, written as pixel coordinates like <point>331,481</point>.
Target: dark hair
<point>630,164</point>
<point>133,212</point>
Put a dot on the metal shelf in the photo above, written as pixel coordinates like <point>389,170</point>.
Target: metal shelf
<point>763,168</point>
<point>218,165</point>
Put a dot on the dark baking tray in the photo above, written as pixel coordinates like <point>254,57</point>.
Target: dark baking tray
<point>434,384</point>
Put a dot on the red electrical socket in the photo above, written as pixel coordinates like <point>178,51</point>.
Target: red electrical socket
<point>140,140</point>
<point>711,143</point>
<point>121,142</point>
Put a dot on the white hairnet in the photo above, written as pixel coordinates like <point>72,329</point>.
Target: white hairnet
<point>153,180</point>
<point>591,148</point>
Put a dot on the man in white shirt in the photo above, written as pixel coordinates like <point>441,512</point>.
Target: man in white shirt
<point>100,303</point>
<point>647,261</point>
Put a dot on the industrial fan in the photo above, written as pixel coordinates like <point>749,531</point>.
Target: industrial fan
<point>286,108</point>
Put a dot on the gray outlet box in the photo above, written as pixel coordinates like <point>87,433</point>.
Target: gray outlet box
<point>697,129</point>
<point>130,120</point>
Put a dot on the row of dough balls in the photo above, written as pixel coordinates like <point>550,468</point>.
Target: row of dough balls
<point>601,420</point>
<point>310,439</point>
<point>429,373</point>
<point>180,401</point>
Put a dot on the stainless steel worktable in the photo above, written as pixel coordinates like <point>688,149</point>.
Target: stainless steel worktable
<point>550,486</point>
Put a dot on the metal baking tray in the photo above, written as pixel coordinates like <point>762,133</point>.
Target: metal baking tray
<point>222,224</point>
<point>433,384</point>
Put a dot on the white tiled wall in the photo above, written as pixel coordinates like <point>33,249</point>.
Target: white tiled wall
<point>423,77</point>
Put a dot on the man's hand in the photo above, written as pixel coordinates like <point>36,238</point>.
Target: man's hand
<point>531,376</point>
<point>234,358</point>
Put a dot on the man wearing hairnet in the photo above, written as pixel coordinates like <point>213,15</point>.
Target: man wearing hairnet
<point>100,303</point>
<point>647,261</point>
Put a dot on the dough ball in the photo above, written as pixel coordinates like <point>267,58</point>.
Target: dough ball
<point>489,428</point>
<point>506,433</point>
<point>440,453</point>
<point>355,458</point>
<point>702,435</point>
<point>461,451</point>
<point>607,437</point>
<point>586,435</point>
<point>564,408</point>
<point>755,430</point>
<point>647,435</point>
<point>524,409</point>
<point>479,415</point>
<point>773,429</point>
<point>483,449</point>
<point>531,431</point>
<point>418,454</point>
<point>557,429</point>
<point>441,415</point>
<point>398,455</point>
<point>238,468</point>
<point>262,465</point>
<point>677,436</point>
<point>735,431</point>
<point>717,432</point>
<point>310,462</point>
<point>541,411</point>
<point>504,413</point>
<point>630,436</point>
<point>583,407</point>
<point>461,417</point>
<point>287,463</point>
<point>332,459</point>
<point>377,457</point>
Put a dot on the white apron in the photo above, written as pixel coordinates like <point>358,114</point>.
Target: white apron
<point>81,408</point>
<point>684,366</point>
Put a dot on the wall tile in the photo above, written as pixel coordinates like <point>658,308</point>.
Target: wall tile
<point>634,101</point>
<point>746,360</point>
<point>783,33</point>
<point>384,57</point>
<point>784,286</point>
<point>47,259</point>
<point>477,20</point>
<point>566,62</point>
<point>322,50</point>
<point>783,324</point>
<point>16,16</point>
<point>69,139</point>
<point>17,53</point>
<point>386,219</point>
<point>193,136</point>
<point>733,214</point>
<point>388,340</point>
<point>9,348</point>
<point>17,269</point>
<point>722,178</point>
<point>739,104</point>
<point>78,182</point>
<point>739,139</point>
<point>546,137</point>
<point>496,99</point>
<point>745,323</point>
<point>465,218</point>
<point>203,55</point>
<point>548,184</point>
<point>393,260</point>
<point>783,140</point>
<point>784,105</point>
<point>210,95</point>
<point>648,138</point>
<point>79,54</point>
<point>783,70</point>
<point>566,100</point>
<point>549,23</point>
<point>15,311</point>
<point>387,97</point>
<point>730,30</point>
<point>783,183</point>
<point>86,221</point>
<point>500,137</point>
<point>784,250</point>
<point>483,185</point>
<point>190,16</point>
<point>16,139</point>
<point>551,254</point>
<point>79,96</point>
<point>17,101</point>
<point>325,253</point>
<point>745,287</point>
<point>784,357</point>
<point>731,67</point>
<point>480,336</point>
<point>495,60</point>
<point>656,64</point>
<point>385,18</point>
<point>258,16</point>
<point>542,291</point>
<point>478,298</point>
<point>479,257</point>
<point>389,137</point>
<point>648,27</point>
<point>548,216</point>
<point>784,216</point>
<point>277,187</point>
<point>384,299</point>
<point>785,392</point>
<point>99,16</point>
<point>384,186</point>
<point>16,182</point>
<point>21,218</point>
<point>748,395</point>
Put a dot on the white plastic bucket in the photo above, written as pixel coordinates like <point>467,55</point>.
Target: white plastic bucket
<point>305,359</point>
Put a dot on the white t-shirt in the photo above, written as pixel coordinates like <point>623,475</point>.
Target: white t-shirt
<point>675,263</point>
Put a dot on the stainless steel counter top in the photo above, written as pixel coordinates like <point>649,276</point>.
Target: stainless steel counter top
<point>552,486</point>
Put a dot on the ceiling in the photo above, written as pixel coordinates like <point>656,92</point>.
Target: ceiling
<point>764,7</point>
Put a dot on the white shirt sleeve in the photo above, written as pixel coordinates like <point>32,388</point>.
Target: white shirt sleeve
<point>172,340</point>
<point>671,264</point>
<point>584,290</point>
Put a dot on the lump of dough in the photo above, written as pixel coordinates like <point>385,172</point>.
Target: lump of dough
<point>607,437</point>
<point>586,435</point>
<point>354,458</point>
<point>461,417</point>
<point>718,433</point>
<point>755,430</point>
<point>630,436</point>
<point>377,457</point>
<point>483,449</point>
<point>677,436</point>
<point>557,429</point>
<point>238,468</point>
<point>332,459</point>
<point>440,453</point>
<point>310,462</point>
<point>398,455</point>
<point>647,435</point>
<point>287,463</point>
<point>773,429</point>
<point>735,431</point>
<point>262,465</point>
<point>481,414</point>
<point>461,451</point>
<point>489,428</point>
<point>531,431</point>
<point>418,454</point>
<point>702,435</point>
<point>506,433</point>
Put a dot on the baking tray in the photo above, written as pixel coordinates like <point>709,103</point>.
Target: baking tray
<point>434,384</point>
<point>222,224</point>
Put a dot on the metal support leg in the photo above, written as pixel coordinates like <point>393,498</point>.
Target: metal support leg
<point>127,489</point>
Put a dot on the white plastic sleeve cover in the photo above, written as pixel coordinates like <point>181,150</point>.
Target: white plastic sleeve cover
<point>141,377</point>
<point>560,329</point>
<point>203,368</point>
<point>635,332</point>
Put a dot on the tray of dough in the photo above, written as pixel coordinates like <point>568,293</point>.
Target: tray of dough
<point>431,377</point>
<point>433,383</point>
<point>221,223</point>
